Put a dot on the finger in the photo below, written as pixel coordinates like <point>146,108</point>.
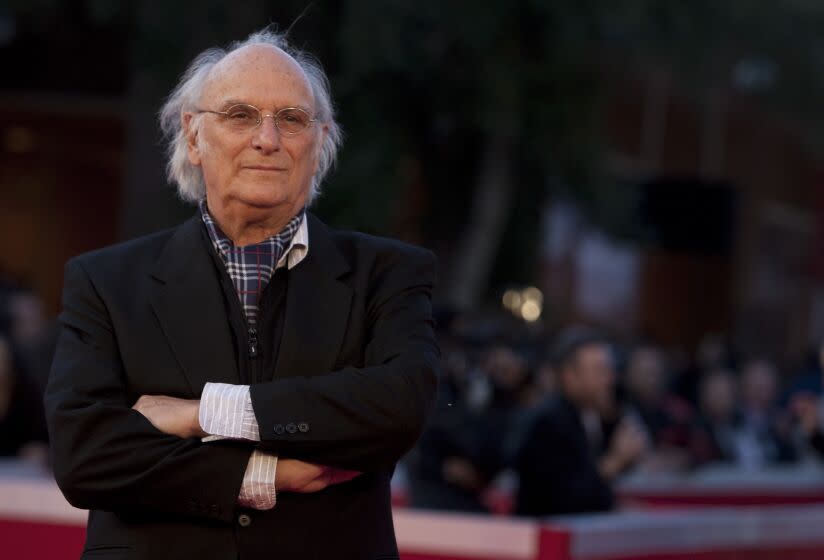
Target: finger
<point>342,475</point>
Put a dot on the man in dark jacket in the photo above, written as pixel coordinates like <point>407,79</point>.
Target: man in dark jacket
<point>242,386</point>
<point>567,458</point>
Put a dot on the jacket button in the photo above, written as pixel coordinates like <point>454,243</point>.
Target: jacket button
<point>279,429</point>
<point>291,428</point>
<point>244,520</point>
<point>303,427</point>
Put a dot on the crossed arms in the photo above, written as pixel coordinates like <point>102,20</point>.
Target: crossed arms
<point>108,455</point>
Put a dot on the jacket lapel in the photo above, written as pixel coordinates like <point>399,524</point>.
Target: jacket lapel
<point>317,308</point>
<point>187,300</point>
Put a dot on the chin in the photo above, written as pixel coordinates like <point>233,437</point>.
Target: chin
<point>261,202</point>
<point>262,197</point>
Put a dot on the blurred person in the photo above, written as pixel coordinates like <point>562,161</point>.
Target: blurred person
<point>546,381</point>
<point>665,417</point>
<point>28,315</point>
<point>466,445</point>
<point>566,463</point>
<point>34,335</point>
<point>765,433</point>
<point>242,385</point>
<point>22,423</point>
<point>443,469</point>
<point>714,352</point>
<point>510,379</point>
<point>808,408</point>
<point>714,437</point>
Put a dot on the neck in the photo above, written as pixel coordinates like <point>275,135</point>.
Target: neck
<point>245,227</point>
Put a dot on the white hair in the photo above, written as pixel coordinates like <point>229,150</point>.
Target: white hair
<point>188,177</point>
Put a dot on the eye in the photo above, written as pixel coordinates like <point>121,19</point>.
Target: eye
<point>294,119</point>
<point>241,114</point>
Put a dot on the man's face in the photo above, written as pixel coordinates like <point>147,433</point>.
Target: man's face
<point>758,385</point>
<point>591,376</point>
<point>252,172</point>
<point>506,368</point>
<point>646,375</point>
<point>718,396</point>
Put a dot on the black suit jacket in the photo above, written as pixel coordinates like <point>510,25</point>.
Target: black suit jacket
<point>558,471</point>
<point>357,363</point>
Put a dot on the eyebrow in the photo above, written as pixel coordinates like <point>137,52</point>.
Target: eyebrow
<point>229,102</point>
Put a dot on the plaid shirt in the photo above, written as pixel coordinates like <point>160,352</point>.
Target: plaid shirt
<point>226,410</point>
<point>250,267</point>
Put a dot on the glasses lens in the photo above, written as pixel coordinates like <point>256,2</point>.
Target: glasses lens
<point>242,117</point>
<point>292,121</point>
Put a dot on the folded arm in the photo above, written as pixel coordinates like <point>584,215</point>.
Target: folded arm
<point>107,455</point>
<point>363,418</point>
<point>359,419</point>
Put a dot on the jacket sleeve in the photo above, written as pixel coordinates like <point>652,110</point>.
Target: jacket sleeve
<point>106,455</point>
<point>557,475</point>
<point>364,418</point>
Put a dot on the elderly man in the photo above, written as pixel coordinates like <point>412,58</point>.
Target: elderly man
<point>242,386</point>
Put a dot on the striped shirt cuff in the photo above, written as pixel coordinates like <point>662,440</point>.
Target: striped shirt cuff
<point>226,412</point>
<point>258,488</point>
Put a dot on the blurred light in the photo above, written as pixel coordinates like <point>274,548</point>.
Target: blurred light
<point>533,294</point>
<point>18,140</point>
<point>512,300</point>
<point>526,303</point>
<point>530,311</point>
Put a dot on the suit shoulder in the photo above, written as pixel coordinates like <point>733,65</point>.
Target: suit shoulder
<point>131,253</point>
<point>388,260</point>
<point>552,412</point>
<point>379,261</point>
<point>356,241</point>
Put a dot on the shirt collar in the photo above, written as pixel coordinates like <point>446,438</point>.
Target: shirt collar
<point>295,252</point>
<point>298,248</point>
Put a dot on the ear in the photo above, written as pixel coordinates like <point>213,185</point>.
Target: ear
<point>190,130</point>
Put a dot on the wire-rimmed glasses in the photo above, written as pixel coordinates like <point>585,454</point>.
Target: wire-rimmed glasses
<point>243,117</point>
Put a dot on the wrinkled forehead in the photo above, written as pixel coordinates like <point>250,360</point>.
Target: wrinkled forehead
<point>262,75</point>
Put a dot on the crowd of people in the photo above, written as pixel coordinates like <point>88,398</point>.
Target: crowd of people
<point>554,422</point>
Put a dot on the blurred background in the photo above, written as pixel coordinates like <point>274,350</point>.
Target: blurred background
<point>647,170</point>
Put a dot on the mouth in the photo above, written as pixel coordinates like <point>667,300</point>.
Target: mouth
<point>264,168</point>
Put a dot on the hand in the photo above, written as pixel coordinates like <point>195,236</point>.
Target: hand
<point>462,473</point>
<point>628,444</point>
<point>806,408</point>
<point>170,415</point>
<point>629,441</point>
<point>299,476</point>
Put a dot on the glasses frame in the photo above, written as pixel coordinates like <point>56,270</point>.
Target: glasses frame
<point>261,115</point>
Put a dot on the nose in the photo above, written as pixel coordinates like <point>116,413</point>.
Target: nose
<point>267,135</point>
